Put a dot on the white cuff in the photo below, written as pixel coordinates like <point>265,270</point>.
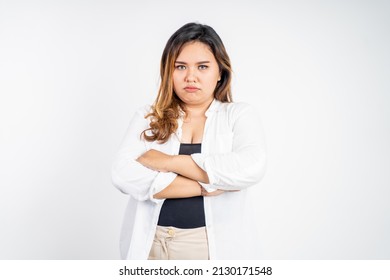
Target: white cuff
<point>199,160</point>
<point>207,187</point>
<point>162,180</point>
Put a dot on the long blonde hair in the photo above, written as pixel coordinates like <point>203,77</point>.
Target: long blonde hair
<point>167,106</point>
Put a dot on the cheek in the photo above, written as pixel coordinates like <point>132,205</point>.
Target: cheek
<point>213,76</point>
<point>175,81</point>
<point>212,80</point>
<point>177,78</point>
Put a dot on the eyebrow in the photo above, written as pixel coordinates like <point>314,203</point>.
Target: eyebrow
<point>200,62</point>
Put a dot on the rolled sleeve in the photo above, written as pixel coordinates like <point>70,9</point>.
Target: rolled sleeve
<point>162,180</point>
<point>243,164</point>
<point>199,160</point>
<point>128,175</point>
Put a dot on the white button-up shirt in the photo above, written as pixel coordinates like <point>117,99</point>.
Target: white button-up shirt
<point>233,155</point>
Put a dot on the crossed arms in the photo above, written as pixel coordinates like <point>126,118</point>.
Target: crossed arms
<point>147,174</point>
<point>189,174</point>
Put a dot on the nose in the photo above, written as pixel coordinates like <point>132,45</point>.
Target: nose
<point>190,75</point>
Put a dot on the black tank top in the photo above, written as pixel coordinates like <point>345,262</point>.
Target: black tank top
<point>184,212</point>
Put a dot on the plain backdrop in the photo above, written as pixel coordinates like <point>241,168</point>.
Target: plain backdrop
<point>72,73</point>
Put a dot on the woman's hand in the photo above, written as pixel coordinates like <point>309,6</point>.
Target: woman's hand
<point>214,193</point>
<point>155,160</point>
<point>204,192</point>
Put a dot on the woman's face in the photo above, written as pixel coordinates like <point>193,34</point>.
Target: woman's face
<point>196,74</point>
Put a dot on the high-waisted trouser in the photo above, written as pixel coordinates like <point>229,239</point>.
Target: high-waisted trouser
<point>172,243</point>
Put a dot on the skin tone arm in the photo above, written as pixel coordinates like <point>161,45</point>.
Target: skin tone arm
<point>179,164</point>
<point>186,183</point>
<point>183,187</point>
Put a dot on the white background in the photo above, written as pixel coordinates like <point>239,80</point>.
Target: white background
<point>73,72</point>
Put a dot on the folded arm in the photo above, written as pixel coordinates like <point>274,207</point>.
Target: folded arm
<point>245,164</point>
<point>183,187</point>
<point>128,175</point>
<point>179,164</point>
<point>237,169</point>
<point>132,177</point>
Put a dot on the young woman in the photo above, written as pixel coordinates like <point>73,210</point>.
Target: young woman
<point>188,160</point>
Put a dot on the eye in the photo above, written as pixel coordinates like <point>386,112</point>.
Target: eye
<point>180,67</point>
<point>203,67</point>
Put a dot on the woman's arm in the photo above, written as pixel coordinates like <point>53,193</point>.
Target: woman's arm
<point>128,175</point>
<point>183,187</point>
<point>179,164</point>
<point>244,165</point>
<point>240,168</point>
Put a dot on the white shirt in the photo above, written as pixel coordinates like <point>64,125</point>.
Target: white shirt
<point>233,155</point>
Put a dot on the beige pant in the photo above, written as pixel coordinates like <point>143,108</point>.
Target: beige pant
<point>172,243</point>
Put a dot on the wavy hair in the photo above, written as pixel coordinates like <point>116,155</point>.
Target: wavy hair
<point>167,106</point>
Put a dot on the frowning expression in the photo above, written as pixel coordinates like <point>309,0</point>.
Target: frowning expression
<point>196,74</point>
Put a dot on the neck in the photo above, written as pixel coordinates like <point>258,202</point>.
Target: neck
<point>198,110</point>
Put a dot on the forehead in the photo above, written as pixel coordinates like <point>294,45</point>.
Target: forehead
<point>195,51</point>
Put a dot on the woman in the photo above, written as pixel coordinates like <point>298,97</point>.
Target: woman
<point>188,161</point>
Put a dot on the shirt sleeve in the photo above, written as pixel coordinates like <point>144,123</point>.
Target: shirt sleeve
<point>131,177</point>
<point>245,164</point>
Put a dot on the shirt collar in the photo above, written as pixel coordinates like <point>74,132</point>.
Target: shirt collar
<point>214,106</point>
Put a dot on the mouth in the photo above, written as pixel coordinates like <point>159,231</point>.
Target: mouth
<point>191,89</point>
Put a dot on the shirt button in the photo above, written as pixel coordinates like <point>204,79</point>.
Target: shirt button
<point>171,232</point>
